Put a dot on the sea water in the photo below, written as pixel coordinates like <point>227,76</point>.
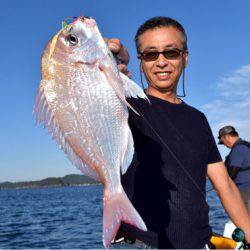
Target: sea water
<point>65,217</point>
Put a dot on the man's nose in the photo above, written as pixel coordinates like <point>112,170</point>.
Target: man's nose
<point>162,61</point>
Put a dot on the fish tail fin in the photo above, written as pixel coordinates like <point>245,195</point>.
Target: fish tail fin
<point>116,208</point>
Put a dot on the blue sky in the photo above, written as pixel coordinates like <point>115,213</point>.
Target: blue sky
<point>217,77</point>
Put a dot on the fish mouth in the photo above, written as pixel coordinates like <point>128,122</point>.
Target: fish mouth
<point>85,19</point>
<point>73,20</point>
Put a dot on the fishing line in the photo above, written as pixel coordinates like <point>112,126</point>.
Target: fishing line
<point>210,189</point>
<point>172,153</point>
<point>163,142</point>
<point>65,25</point>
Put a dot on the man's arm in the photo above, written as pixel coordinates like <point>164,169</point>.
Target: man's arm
<point>230,197</point>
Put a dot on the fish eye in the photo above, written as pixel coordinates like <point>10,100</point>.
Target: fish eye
<point>72,39</point>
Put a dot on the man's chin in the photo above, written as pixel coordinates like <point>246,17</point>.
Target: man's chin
<point>163,78</point>
<point>164,88</point>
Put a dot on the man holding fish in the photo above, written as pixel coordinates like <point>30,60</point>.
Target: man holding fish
<point>83,101</point>
<point>174,149</point>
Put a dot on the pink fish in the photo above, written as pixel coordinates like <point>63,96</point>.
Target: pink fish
<point>82,102</point>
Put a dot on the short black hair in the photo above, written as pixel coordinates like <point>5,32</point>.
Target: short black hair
<point>156,22</point>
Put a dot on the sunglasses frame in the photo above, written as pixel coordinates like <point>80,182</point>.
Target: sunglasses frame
<point>181,52</point>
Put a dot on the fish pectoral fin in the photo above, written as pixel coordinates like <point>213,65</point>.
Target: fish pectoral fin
<point>129,152</point>
<point>116,208</point>
<point>131,88</point>
<point>115,83</point>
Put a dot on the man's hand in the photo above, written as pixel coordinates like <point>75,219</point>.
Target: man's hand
<point>121,54</point>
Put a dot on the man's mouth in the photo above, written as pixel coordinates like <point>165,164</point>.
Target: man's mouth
<point>163,75</point>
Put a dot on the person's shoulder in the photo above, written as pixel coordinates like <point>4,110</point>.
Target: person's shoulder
<point>198,116</point>
<point>194,110</point>
<point>238,152</point>
<point>242,146</point>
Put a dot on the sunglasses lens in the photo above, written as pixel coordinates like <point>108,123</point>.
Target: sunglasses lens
<point>171,54</point>
<point>150,56</point>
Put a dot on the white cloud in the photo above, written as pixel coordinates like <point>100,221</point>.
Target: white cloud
<point>232,105</point>
<point>244,71</point>
<point>236,84</point>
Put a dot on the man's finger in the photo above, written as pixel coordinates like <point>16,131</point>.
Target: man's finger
<point>120,52</point>
<point>114,45</point>
<point>122,67</point>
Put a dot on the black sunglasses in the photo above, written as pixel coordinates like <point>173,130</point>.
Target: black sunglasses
<point>170,54</point>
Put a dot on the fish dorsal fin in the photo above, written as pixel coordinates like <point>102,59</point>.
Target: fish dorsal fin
<point>131,88</point>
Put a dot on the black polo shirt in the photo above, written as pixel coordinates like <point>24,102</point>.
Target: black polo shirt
<point>167,178</point>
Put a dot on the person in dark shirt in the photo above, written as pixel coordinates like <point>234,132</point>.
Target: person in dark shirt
<point>238,160</point>
<point>174,149</point>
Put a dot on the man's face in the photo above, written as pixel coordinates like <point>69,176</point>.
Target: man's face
<point>162,74</point>
<point>226,139</point>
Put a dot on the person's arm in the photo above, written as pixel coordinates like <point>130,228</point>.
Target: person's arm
<point>230,196</point>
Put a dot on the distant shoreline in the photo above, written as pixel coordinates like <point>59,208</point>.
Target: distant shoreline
<point>57,186</point>
<point>66,181</point>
